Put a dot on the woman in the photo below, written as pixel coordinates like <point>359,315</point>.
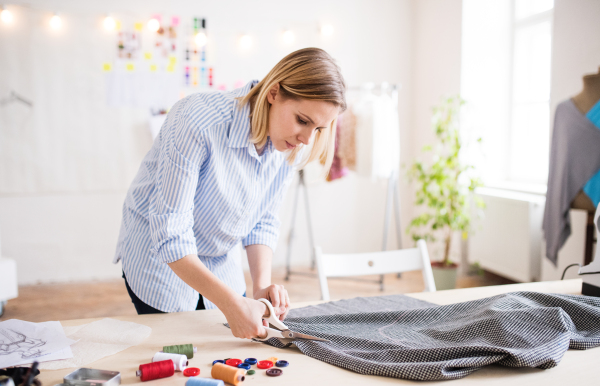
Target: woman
<point>215,176</point>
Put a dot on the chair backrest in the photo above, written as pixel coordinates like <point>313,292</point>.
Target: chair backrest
<point>374,263</point>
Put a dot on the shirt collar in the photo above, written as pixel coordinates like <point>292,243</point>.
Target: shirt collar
<point>239,132</point>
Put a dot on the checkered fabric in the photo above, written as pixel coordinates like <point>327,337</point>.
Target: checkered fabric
<point>403,338</point>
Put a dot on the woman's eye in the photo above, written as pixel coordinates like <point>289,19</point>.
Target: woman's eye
<point>318,129</point>
<point>300,121</point>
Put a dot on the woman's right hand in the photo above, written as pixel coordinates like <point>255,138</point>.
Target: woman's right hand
<point>244,316</point>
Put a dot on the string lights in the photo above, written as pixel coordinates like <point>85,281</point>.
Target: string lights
<point>55,22</point>
<point>6,16</point>
<point>246,41</point>
<point>109,23</point>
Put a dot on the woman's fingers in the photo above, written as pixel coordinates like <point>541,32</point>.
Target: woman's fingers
<point>274,295</point>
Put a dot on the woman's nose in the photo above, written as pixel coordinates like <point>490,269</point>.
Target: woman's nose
<point>305,136</point>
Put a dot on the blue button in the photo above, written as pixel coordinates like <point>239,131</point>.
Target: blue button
<point>218,361</point>
<point>251,361</point>
<point>282,363</point>
<point>245,366</point>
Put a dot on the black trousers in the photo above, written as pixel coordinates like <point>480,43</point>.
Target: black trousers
<point>142,308</point>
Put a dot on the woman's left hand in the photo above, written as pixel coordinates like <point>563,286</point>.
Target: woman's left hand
<point>279,298</point>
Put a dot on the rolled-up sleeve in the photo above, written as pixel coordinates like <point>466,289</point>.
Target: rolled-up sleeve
<point>266,231</point>
<point>182,151</point>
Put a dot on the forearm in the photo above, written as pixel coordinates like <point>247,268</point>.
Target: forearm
<point>260,258</point>
<point>195,274</point>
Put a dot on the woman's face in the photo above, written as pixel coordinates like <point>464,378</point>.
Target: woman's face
<point>293,122</point>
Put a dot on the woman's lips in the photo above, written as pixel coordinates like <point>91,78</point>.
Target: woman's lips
<point>289,146</point>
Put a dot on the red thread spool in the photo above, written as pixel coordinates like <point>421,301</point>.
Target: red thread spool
<point>156,370</point>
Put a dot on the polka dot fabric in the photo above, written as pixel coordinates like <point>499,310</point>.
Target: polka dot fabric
<point>426,342</point>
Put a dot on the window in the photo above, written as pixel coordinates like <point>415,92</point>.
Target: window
<point>506,82</point>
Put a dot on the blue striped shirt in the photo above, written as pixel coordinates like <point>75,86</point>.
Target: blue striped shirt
<point>201,189</point>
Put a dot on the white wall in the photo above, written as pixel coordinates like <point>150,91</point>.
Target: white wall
<point>436,74</point>
<point>66,164</point>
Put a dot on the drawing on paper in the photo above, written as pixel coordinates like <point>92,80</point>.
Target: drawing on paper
<point>12,342</point>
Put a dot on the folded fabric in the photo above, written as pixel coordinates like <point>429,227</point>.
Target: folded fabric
<point>519,329</point>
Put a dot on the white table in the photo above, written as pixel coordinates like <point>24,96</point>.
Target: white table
<point>214,341</point>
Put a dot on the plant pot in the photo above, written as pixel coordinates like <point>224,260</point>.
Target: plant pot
<point>444,275</point>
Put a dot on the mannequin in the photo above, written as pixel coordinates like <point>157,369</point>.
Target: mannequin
<point>574,164</point>
<point>584,101</point>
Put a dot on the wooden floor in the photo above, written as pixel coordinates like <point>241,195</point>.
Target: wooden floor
<point>40,303</point>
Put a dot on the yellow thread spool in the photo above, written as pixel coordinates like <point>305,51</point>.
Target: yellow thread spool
<point>228,374</point>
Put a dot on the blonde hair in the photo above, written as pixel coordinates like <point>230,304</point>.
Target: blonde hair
<point>309,73</point>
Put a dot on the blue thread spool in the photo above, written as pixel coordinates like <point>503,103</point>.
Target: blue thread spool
<point>197,381</point>
<point>250,361</point>
<point>245,366</point>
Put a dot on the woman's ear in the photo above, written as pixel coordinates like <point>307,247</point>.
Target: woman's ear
<point>273,93</point>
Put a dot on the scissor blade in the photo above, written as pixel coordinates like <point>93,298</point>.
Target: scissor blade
<point>297,335</point>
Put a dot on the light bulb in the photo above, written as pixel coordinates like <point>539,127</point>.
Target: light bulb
<point>246,42</point>
<point>288,37</point>
<point>6,16</point>
<point>153,25</point>
<point>109,23</point>
<point>200,39</point>
<point>327,30</point>
<point>55,22</point>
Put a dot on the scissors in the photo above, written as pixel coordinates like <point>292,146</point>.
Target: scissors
<point>281,330</point>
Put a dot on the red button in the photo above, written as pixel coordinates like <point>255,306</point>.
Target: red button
<point>265,364</point>
<point>233,362</point>
<point>191,372</point>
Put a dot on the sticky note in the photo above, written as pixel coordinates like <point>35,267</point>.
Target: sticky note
<point>106,67</point>
<point>130,66</point>
<point>171,68</point>
<point>172,59</point>
<point>118,25</point>
<point>153,67</point>
<point>139,26</point>
<point>148,55</point>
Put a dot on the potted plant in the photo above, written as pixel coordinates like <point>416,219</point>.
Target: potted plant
<point>445,189</point>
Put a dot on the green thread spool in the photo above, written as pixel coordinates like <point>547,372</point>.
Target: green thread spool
<point>184,349</point>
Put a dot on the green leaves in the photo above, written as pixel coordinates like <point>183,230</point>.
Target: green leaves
<point>444,187</point>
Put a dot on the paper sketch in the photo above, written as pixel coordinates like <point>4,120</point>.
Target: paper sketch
<point>12,341</point>
<point>22,342</point>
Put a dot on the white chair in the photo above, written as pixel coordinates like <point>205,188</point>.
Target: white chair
<point>374,263</point>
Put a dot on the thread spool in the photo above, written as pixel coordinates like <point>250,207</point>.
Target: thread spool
<point>184,349</point>
<point>156,370</point>
<point>180,361</point>
<point>228,374</point>
<point>204,382</point>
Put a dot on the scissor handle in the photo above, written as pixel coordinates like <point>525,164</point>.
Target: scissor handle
<point>271,333</point>
<point>272,318</point>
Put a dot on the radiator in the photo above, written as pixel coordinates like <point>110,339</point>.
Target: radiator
<point>507,240</point>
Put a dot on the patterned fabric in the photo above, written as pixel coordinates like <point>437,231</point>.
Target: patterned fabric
<point>375,337</point>
<point>200,190</point>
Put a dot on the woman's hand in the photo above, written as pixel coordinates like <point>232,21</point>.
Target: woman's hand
<point>244,316</point>
<point>279,298</point>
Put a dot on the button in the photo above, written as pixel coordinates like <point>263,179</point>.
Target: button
<point>218,361</point>
<point>245,366</point>
<point>274,372</point>
<point>282,363</point>
<point>250,372</point>
<point>233,362</point>
<point>191,372</point>
<point>265,364</point>
<point>251,361</point>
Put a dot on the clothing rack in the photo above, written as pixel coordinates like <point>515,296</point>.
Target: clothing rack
<point>392,204</point>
